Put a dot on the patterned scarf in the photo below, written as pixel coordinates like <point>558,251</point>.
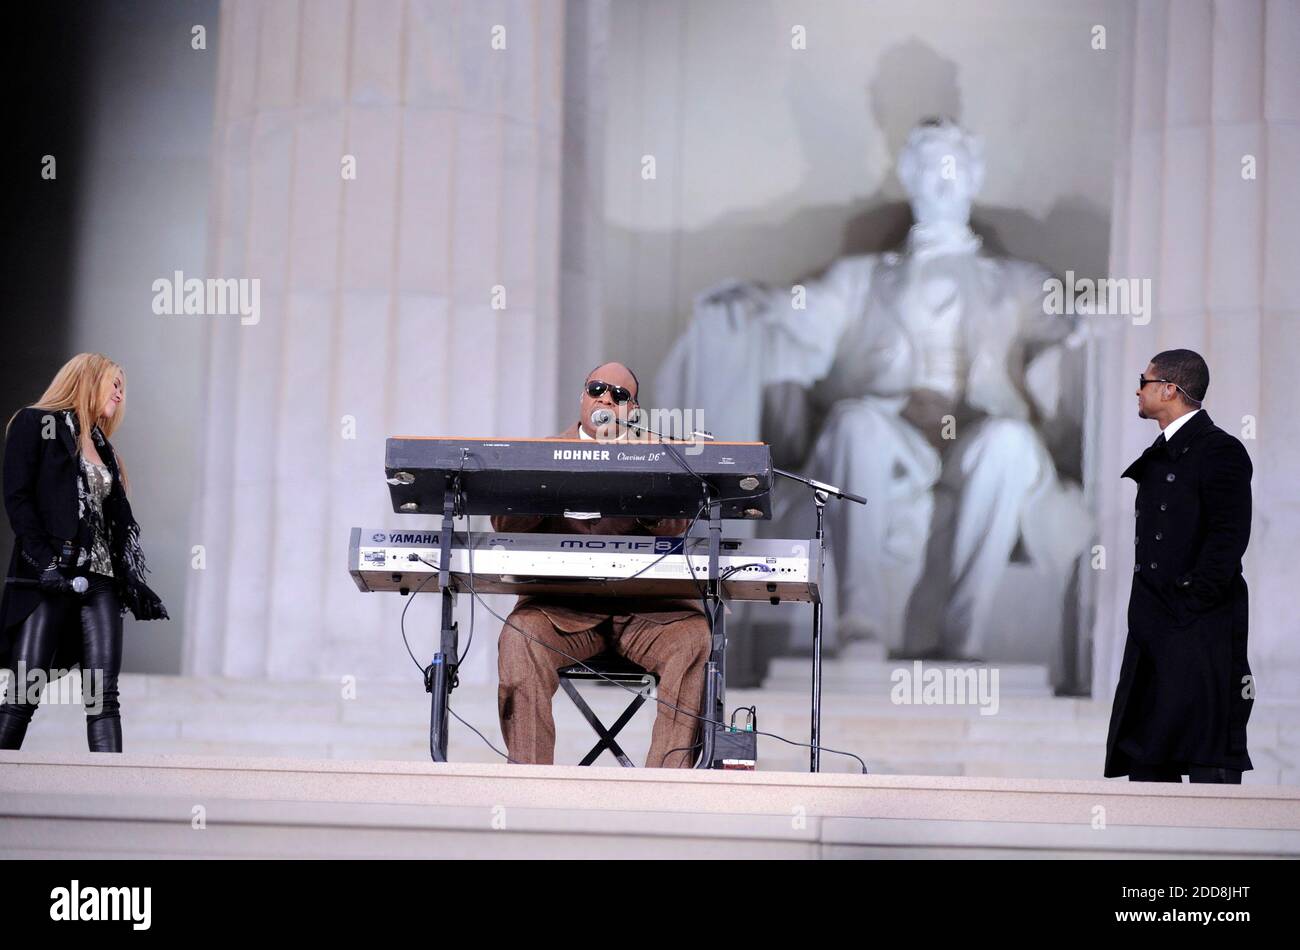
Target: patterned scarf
<point>129,564</point>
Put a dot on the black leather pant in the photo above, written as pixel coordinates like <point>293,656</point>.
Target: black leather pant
<point>95,619</point>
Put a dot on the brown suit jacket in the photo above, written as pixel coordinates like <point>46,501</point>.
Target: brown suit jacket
<point>574,614</point>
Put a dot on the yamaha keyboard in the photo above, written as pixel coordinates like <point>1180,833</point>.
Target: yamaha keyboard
<point>552,477</point>
<point>757,569</point>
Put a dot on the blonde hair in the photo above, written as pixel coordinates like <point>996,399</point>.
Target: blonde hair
<point>82,385</point>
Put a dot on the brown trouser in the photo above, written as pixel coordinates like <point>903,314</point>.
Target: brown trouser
<point>676,651</point>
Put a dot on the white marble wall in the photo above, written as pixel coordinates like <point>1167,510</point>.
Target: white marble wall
<point>1210,85</point>
<point>376,296</point>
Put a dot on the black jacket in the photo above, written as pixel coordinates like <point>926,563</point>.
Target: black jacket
<point>41,472</point>
<point>1184,692</point>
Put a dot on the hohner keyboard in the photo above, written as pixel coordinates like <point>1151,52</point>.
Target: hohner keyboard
<point>553,476</point>
<point>759,569</point>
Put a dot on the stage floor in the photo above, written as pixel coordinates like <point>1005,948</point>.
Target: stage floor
<point>143,805</point>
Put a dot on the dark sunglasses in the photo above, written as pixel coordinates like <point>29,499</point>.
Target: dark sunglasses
<point>597,388</point>
<point>1142,381</point>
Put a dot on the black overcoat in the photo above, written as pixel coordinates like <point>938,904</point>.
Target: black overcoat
<point>41,470</point>
<point>1185,692</point>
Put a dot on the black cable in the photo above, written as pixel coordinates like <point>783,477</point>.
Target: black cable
<point>685,536</point>
<point>738,567</point>
<point>475,596</point>
<point>686,748</point>
<point>663,702</point>
<point>469,544</point>
<point>402,621</point>
<point>712,617</point>
<point>668,444</point>
<point>424,670</point>
<point>703,588</point>
<point>708,490</point>
<point>712,614</point>
<point>483,737</point>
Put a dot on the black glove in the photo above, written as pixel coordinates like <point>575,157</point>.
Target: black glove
<point>143,603</point>
<point>52,582</point>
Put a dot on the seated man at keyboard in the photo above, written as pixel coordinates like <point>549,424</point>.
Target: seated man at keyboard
<point>668,637</point>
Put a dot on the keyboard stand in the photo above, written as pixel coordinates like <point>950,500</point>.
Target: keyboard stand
<point>715,672</point>
<point>440,677</point>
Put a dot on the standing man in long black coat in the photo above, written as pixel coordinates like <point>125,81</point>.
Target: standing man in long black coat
<point>1185,691</point>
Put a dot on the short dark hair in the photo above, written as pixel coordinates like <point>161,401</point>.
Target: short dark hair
<point>635,382</point>
<point>1187,370</point>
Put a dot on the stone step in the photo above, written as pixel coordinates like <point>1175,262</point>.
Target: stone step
<point>406,703</point>
<point>1029,736</point>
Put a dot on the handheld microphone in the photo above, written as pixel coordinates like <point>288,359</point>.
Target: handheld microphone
<point>79,585</point>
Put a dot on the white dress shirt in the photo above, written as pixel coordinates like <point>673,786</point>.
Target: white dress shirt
<point>1177,424</point>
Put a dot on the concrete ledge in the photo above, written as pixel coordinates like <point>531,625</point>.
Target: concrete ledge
<point>139,805</point>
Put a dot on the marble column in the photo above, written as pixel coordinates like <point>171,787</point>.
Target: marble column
<point>418,296</point>
<point>1206,207</point>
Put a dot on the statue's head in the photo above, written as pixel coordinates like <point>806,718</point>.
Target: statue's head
<point>942,169</point>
